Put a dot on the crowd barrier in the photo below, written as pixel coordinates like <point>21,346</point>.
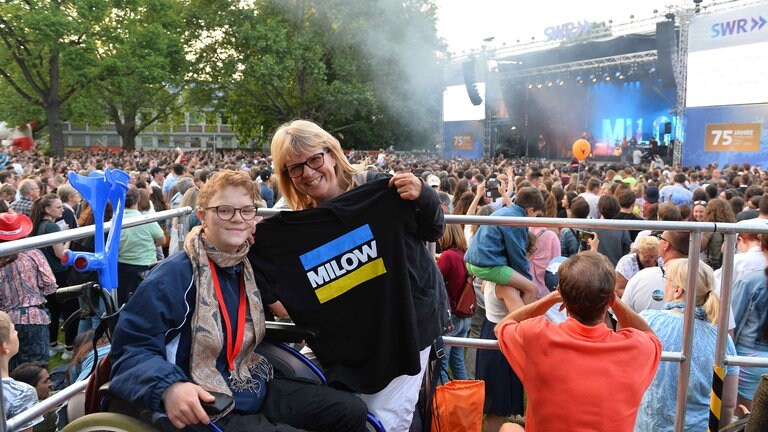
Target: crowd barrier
<point>696,229</point>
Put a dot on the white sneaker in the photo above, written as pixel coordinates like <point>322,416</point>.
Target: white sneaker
<point>58,347</point>
<point>52,352</point>
<point>66,355</point>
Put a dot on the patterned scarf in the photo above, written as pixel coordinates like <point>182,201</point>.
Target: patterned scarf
<point>207,332</point>
<point>700,313</point>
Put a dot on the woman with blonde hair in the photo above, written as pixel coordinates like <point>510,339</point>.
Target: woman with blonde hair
<point>398,213</point>
<point>655,413</point>
<point>647,255</point>
<point>205,300</point>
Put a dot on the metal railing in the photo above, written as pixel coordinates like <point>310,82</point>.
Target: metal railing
<point>28,243</point>
<point>83,232</point>
<point>695,228</point>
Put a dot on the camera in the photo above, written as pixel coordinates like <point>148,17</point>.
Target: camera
<point>492,188</point>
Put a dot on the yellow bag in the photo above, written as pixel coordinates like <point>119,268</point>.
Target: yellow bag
<point>458,406</point>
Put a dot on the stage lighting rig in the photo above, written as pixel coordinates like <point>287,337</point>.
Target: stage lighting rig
<point>593,78</point>
<point>580,79</point>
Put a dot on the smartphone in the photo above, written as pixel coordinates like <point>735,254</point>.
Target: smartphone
<point>492,188</point>
<point>585,235</point>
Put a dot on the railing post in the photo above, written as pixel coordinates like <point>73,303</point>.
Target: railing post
<point>726,281</point>
<point>688,325</point>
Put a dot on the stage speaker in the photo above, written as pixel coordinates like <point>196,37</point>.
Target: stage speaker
<point>666,52</point>
<point>468,68</point>
<point>667,128</point>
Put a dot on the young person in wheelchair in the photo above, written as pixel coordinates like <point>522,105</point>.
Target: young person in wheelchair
<point>193,325</point>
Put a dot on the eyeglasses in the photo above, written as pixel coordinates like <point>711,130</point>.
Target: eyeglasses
<point>227,212</point>
<point>315,162</point>
<point>703,203</point>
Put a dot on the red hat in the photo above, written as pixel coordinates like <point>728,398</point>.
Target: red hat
<point>14,226</point>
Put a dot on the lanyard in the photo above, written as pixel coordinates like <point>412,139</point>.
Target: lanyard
<point>232,349</point>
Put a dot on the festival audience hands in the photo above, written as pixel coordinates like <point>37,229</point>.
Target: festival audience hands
<point>182,403</point>
<point>480,189</point>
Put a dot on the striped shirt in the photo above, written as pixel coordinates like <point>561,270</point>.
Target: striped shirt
<point>17,398</point>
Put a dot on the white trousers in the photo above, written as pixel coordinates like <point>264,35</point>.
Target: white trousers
<point>394,405</point>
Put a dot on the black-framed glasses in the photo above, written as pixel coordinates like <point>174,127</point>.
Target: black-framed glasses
<point>315,162</point>
<point>227,212</point>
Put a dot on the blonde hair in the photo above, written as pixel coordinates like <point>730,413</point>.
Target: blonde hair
<point>677,274</point>
<point>453,238</point>
<point>5,327</point>
<point>302,136</point>
<point>648,242</point>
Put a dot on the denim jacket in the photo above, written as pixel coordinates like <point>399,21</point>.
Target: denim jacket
<point>750,308</point>
<point>496,245</point>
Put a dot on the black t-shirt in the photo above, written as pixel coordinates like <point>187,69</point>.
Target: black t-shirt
<point>629,216</point>
<point>355,269</point>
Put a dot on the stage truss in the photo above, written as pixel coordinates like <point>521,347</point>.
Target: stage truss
<point>596,63</point>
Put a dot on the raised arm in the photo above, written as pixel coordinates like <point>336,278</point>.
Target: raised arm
<point>627,318</point>
<point>537,308</point>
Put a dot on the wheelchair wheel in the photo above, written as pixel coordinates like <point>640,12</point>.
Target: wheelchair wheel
<point>108,422</point>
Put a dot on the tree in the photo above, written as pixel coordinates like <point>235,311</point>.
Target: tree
<point>317,60</point>
<point>47,53</point>
<point>144,67</point>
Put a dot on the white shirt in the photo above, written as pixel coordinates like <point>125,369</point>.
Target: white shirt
<point>637,157</point>
<point>743,263</point>
<point>628,265</point>
<point>647,286</point>
<point>642,288</point>
<point>592,200</point>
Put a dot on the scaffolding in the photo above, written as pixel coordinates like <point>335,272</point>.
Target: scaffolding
<point>681,78</point>
<point>602,62</point>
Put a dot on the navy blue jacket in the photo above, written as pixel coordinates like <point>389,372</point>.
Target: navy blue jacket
<point>152,342</point>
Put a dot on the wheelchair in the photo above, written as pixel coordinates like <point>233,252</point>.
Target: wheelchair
<point>121,416</point>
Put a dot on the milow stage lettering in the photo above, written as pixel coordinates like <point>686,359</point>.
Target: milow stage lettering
<point>343,263</point>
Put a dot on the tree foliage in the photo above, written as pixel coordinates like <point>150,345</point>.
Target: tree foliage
<point>365,70</point>
<point>47,53</point>
<point>144,66</point>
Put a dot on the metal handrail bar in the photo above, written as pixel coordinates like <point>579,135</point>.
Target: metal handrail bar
<point>46,405</point>
<point>688,328</point>
<point>753,228</point>
<point>492,344</point>
<point>40,241</point>
<point>745,361</point>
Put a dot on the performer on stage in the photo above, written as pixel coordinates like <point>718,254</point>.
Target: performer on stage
<point>543,147</point>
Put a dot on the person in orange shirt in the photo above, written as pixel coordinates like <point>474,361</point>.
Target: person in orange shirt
<point>598,359</point>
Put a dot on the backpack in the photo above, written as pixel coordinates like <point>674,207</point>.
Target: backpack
<point>467,302</point>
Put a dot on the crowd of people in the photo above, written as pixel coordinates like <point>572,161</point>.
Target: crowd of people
<point>622,291</point>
